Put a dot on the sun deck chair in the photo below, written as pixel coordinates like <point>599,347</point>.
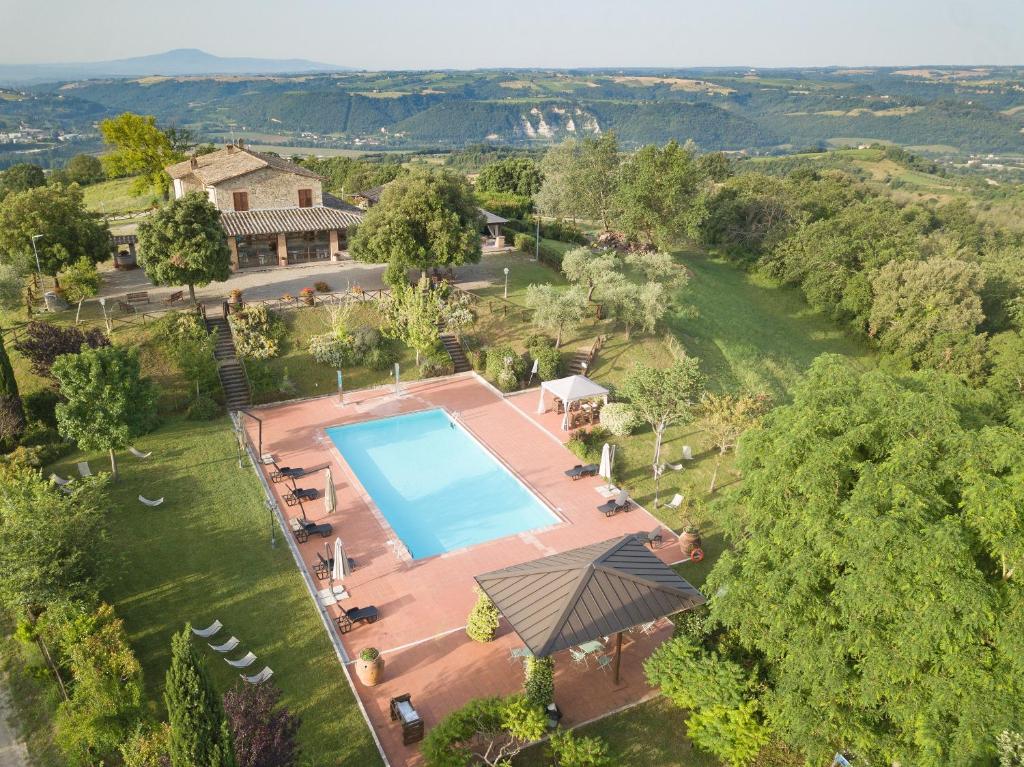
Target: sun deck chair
<point>653,537</point>
<point>579,471</point>
<point>350,617</point>
<point>301,494</point>
<point>675,503</point>
<point>58,480</point>
<point>245,661</point>
<point>619,503</point>
<point>259,678</point>
<point>323,566</point>
<point>209,631</point>
<point>228,646</point>
<point>148,502</point>
<point>139,453</point>
<point>281,473</point>
<point>83,469</point>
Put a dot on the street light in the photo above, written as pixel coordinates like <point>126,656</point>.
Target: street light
<point>506,282</point>
<point>106,320</point>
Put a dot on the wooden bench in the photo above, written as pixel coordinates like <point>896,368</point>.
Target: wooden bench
<point>142,297</point>
<point>412,723</point>
<point>174,297</point>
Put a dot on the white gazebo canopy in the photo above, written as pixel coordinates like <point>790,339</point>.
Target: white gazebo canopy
<point>569,390</point>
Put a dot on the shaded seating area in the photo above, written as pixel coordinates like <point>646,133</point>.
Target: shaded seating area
<point>412,723</point>
<point>577,398</point>
<point>567,600</point>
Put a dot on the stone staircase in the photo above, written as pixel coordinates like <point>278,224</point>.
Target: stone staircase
<point>232,377</point>
<point>578,363</point>
<point>454,349</point>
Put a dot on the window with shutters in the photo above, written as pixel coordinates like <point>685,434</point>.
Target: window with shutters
<point>241,200</point>
<point>305,198</point>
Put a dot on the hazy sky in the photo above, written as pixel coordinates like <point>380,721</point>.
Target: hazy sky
<point>421,34</point>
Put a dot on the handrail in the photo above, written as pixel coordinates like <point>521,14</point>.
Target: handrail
<point>259,421</point>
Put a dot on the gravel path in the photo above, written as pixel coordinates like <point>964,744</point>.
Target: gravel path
<point>12,750</point>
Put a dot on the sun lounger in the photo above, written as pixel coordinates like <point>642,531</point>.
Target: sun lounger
<point>653,537</point>
<point>412,723</point>
<point>579,470</point>
<point>675,503</point>
<point>209,631</point>
<point>246,660</point>
<point>323,566</point>
<point>83,469</point>
<point>259,678</point>
<point>303,529</point>
<point>139,453</point>
<point>228,646</point>
<point>615,505</point>
<point>58,480</point>
<point>148,502</point>
<point>281,473</point>
<point>350,617</point>
<point>301,494</point>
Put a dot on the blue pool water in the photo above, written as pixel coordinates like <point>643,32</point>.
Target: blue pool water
<point>437,486</point>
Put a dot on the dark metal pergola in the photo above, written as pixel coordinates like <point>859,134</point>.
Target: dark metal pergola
<point>560,601</point>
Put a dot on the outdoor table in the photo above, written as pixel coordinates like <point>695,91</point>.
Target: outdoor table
<point>591,647</point>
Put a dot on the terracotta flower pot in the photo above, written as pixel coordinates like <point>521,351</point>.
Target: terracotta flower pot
<point>689,540</point>
<point>370,671</point>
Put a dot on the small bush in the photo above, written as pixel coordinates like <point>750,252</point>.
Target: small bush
<point>44,342</point>
<point>263,379</point>
<point>527,243</point>
<point>505,367</point>
<point>321,287</point>
<point>536,341</point>
<point>483,618</point>
<point>571,750</point>
<point>333,349</point>
<point>41,406</point>
<point>202,408</point>
<point>549,363</point>
<point>539,684</point>
<point>563,231</point>
<point>587,444</point>
<point>381,358</point>
<point>44,444</point>
<point>257,332</point>
<point>619,419</point>
<point>437,363</point>
<point>81,280</point>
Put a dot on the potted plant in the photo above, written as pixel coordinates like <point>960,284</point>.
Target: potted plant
<point>306,294</point>
<point>369,666</point>
<point>288,297</point>
<point>235,296</point>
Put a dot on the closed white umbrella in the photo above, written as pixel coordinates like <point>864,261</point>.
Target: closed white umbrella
<point>330,495</point>
<point>605,469</point>
<point>341,568</point>
<point>540,402</point>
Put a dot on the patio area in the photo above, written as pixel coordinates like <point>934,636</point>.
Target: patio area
<point>424,603</point>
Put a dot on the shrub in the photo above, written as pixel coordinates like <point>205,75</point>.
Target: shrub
<point>369,653</point>
<point>333,349</point>
<point>527,243</point>
<point>46,442</point>
<point>80,281</point>
<point>496,727</point>
<point>381,358</point>
<point>483,618</point>
<point>202,408</point>
<point>321,287</point>
<point>536,341</point>
<point>44,342</point>
<point>257,332</point>
<point>263,379</point>
<point>571,750</point>
<point>505,366</point>
<point>549,363</point>
<point>563,231</point>
<point>587,444</point>
<point>40,406</point>
<point>619,419</point>
<point>437,363</point>
<point>539,685</point>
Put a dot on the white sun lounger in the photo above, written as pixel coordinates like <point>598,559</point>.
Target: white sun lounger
<point>148,502</point>
<point>228,646</point>
<point>83,469</point>
<point>263,676</point>
<point>245,660</point>
<point>209,631</point>
<point>139,453</point>
<point>58,480</point>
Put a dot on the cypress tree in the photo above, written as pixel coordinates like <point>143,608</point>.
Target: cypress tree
<point>12,414</point>
<point>199,729</point>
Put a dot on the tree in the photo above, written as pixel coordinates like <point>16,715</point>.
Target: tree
<point>539,682</point>
<point>870,573</point>
<point>200,735</point>
<point>84,169</point>
<point>512,175</point>
<point>571,750</point>
<point>264,734</point>
<point>1006,376</point>
<point>556,311</point>
<point>641,306</point>
<point>661,196</point>
<point>69,232</point>
<point>664,396</point>
<point>750,213</point>
<point>12,413</point>
<point>412,314</point>
<point>140,149</point>
<point>483,618</point>
<point>184,244</point>
<point>590,270</point>
<point>725,418</point>
<point>43,342</point>
<point>21,178</point>
<point>81,280</point>
<point>148,746</point>
<point>107,402</point>
<point>425,219</point>
<point>580,179</point>
<point>489,731</point>
<point>927,312</point>
<point>62,558</point>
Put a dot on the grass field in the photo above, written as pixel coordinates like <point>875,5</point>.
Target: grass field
<point>116,197</point>
<point>206,554</point>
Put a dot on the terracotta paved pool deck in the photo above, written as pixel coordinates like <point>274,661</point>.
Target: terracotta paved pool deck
<point>424,603</point>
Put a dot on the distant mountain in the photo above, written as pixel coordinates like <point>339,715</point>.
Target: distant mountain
<point>182,61</point>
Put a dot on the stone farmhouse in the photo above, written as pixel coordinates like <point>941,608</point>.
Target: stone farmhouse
<point>274,212</point>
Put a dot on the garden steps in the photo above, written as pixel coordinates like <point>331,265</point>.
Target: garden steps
<point>454,349</point>
<point>232,375</point>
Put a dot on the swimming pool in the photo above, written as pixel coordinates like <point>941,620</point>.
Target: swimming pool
<point>438,488</point>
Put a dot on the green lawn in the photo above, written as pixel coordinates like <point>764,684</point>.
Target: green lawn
<point>206,554</point>
<point>116,196</point>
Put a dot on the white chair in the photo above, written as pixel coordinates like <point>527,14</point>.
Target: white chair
<point>83,469</point>
<point>228,646</point>
<point>209,631</point>
<point>245,660</point>
<point>58,480</point>
<point>649,628</point>
<point>687,453</point>
<point>148,502</point>
<point>603,662</point>
<point>578,657</point>
<point>139,453</point>
<point>263,676</point>
<point>676,502</point>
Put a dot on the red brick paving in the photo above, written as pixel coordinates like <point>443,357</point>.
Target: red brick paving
<point>424,603</point>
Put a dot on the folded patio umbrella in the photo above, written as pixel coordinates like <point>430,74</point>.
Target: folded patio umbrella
<point>341,568</point>
<point>330,495</point>
<point>605,469</point>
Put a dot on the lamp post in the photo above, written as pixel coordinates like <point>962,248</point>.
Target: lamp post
<point>506,282</point>
<point>39,269</point>
<point>106,319</point>
<point>659,469</point>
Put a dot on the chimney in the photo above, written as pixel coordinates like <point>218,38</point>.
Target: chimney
<point>231,148</point>
<point>241,144</point>
<point>193,162</point>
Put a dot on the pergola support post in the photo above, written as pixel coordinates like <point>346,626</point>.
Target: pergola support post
<point>618,655</point>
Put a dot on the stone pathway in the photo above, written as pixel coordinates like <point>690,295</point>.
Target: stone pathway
<point>12,751</point>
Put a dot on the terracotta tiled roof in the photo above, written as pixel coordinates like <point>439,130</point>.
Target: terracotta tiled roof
<point>288,220</point>
<point>232,162</point>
